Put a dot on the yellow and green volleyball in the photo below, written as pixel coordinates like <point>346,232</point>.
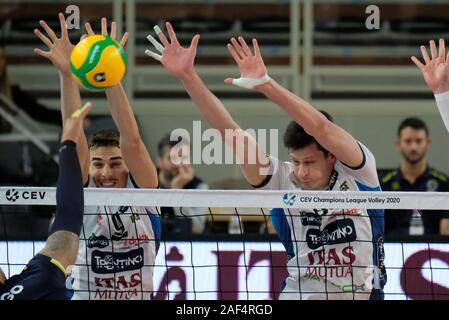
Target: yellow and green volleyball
<point>98,62</point>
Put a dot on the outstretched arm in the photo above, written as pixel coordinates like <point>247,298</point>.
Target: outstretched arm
<point>180,62</point>
<point>134,152</point>
<point>435,71</point>
<point>59,54</point>
<point>254,75</point>
<point>62,243</point>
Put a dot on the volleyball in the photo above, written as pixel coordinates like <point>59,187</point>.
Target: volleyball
<point>98,62</point>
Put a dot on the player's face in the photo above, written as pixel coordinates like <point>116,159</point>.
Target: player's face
<point>107,167</point>
<point>413,144</point>
<point>311,167</point>
<point>172,159</point>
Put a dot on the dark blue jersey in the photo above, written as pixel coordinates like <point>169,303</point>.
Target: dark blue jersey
<point>43,278</point>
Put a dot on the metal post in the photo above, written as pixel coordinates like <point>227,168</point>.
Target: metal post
<point>307,49</point>
<point>130,47</point>
<point>295,35</point>
<point>117,12</point>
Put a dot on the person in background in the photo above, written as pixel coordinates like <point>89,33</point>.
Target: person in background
<point>415,174</point>
<point>175,172</point>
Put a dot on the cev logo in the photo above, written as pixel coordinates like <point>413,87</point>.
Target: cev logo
<point>289,199</point>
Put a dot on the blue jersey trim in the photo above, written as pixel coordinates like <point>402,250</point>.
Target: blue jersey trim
<point>377,222</point>
<point>280,224</point>
<point>157,228</point>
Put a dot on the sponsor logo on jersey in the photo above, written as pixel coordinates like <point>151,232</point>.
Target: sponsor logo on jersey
<point>119,282</point>
<point>117,295</point>
<point>134,241</point>
<point>330,263</point>
<point>97,242</point>
<point>340,231</point>
<point>310,218</point>
<point>112,262</point>
<point>432,185</point>
<point>344,186</point>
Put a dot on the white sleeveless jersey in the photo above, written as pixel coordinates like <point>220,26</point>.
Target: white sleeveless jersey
<point>333,253</point>
<point>118,247</point>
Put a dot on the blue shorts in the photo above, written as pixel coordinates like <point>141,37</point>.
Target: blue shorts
<point>42,279</point>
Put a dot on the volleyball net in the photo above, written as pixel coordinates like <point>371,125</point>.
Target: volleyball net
<point>252,241</point>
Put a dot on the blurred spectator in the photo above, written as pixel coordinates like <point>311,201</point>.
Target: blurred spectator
<point>175,172</point>
<point>414,174</point>
<point>22,99</point>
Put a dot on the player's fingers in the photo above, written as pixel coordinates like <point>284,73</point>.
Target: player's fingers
<point>113,29</point>
<point>442,50</point>
<point>171,33</point>
<point>238,48</point>
<point>417,62</point>
<point>83,111</point>
<point>229,80</point>
<point>425,55</point>
<point>104,26</point>
<point>433,50</point>
<point>245,47</point>
<point>256,48</point>
<point>194,42</point>
<point>124,39</point>
<point>42,53</point>
<point>63,24</point>
<point>89,30</point>
<point>234,53</point>
<point>84,36</point>
<point>44,39</point>
<point>153,55</point>
<point>155,43</point>
<point>161,36</point>
<point>50,32</point>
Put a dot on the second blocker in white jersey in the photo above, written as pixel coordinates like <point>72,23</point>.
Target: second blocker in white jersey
<point>333,253</point>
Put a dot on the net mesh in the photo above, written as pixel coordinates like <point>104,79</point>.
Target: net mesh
<point>255,249</point>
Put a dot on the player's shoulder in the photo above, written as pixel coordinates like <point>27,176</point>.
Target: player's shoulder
<point>439,175</point>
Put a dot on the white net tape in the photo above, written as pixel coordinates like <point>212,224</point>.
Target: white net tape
<point>235,198</point>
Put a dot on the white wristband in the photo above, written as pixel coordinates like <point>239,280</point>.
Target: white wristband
<point>442,96</point>
<point>442,100</point>
<point>250,83</point>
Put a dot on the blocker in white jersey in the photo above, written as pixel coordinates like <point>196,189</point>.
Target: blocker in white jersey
<point>117,251</point>
<point>333,253</point>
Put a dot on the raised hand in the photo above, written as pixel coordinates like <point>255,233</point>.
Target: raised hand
<point>184,176</point>
<point>175,58</point>
<point>104,31</point>
<point>73,127</point>
<point>60,48</point>
<point>435,68</point>
<point>252,68</point>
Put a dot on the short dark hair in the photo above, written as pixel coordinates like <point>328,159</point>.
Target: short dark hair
<point>296,138</point>
<point>105,138</point>
<point>414,123</point>
<point>167,142</point>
